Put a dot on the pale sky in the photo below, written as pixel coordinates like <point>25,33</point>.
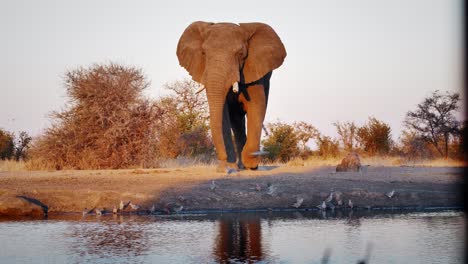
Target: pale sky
<point>347,60</point>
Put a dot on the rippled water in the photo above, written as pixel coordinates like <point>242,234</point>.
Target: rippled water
<point>305,237</point>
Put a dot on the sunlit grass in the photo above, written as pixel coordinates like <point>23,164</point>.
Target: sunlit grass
<point>390,161</point>
<point>12,165</point>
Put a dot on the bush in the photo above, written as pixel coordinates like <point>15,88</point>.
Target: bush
<point>327,147</point>
<point>347,132</point>
<point>22,145</point>
<point>183,128</point>
<point>7,145</point>
<point>282,142</point>
<point>107,122</point>
<point>413,147</point>
<point>375,137</point>
<point>286,142</point>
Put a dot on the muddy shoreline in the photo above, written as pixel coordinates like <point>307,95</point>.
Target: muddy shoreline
<point>35,193</point>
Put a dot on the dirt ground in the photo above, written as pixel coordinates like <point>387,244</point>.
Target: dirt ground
<point>32,192</point>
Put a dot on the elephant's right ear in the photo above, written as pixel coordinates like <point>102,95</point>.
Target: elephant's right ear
<point>189,49</point>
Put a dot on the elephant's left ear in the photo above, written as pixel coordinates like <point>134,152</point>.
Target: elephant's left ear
<point>266,52</point>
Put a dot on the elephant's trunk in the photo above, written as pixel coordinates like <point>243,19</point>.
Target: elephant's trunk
<point>216,101</point>
<point>217,86</point>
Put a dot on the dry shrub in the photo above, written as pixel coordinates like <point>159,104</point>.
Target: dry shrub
<point>107,122</point>
<point>327,147</point>
<point>375,137</point>
<point>184,129</point>
<point>7,145</point>
<point>286,141</point>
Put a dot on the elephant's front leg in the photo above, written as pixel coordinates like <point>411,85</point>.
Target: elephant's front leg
<point>255,109</point>
<point>231,155</point>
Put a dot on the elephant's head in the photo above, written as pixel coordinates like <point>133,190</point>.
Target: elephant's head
<point>213,54</point>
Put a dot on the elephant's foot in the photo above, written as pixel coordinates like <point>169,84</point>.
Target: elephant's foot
<point>227,167</point>
<point>250,161</point>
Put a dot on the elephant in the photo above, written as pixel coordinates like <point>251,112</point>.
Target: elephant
<point>234,63</point>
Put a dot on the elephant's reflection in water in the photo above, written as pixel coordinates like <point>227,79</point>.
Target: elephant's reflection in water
<point>239,240</point>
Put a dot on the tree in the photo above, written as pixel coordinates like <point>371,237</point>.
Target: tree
<point>305,132</point>
<point>375,137</point>
<point>286,141</point>
<point>22,145</point>
<point>7,145</point>
<point>183,128</point>
<point>413,147</point>
<point>107,122</point>
<point>282,142</point>
<point>434,119</point>
<point>347,132</point>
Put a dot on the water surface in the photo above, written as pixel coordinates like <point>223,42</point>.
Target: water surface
<point>295,237</point>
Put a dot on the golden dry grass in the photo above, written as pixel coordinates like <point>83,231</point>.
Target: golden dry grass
<point>12,165</point>
<point>375,161</point>
<point>35,165</point>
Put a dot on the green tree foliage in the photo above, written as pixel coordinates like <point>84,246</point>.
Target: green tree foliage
<point>375,137</point>
<point>286,141</point>
<point>106,124</point>
<point>7,145</point>
<point>282,142</point>
<point>434,120</point>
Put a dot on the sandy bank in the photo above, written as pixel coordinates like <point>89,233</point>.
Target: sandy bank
<point>30,193</point>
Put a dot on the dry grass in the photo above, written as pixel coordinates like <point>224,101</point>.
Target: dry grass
<point>185,162</point>
<point>388,161</point>
<point>12,165</point>
<point>441,163</point>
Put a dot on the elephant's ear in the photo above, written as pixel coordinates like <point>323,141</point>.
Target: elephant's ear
<point>266,52</point>
<point>189,49</point>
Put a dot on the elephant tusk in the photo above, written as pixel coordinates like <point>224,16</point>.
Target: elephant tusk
<point>260,153</point>
<point>235,87</point>
<point>201,89</point>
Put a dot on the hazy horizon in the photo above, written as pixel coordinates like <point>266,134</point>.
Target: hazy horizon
<point>346,60</point>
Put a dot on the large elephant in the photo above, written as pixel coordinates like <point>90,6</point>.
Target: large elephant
<point>234,63</point>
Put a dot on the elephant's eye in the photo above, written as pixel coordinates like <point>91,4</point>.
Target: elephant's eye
<point>241,54</point>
